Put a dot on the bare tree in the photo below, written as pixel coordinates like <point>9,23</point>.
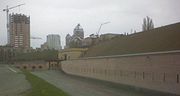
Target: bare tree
<point>147,24</point>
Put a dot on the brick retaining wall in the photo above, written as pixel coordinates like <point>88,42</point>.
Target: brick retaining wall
<point>32,65</point>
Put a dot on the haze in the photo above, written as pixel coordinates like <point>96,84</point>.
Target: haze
<point>61,16</point>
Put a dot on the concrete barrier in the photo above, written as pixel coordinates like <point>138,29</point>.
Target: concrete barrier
<point>158,71</point>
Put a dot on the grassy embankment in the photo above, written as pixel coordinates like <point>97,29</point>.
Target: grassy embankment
<point>164,38</point>
<point>40,87</point>
<point>43,55</point>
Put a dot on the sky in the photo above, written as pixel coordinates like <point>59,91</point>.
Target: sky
<point>61,16</point>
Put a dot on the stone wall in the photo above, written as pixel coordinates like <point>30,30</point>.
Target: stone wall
<point>54,65</point>
<point>158,71</point>
<point>32,65</point>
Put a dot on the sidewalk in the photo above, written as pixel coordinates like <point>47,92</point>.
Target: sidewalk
<point>77,86</point>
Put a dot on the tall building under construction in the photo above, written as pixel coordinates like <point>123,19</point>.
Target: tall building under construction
<point>19,31</point>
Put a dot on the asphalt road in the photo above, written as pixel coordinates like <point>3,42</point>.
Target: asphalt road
<point>12,83</point>
<point>79,86</point>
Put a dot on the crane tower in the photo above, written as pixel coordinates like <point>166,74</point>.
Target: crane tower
<point>7,16</point>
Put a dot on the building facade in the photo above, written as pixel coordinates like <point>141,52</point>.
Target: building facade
<point>68,40</point>
<point>78,32</point>
<point>6,54</point>
<point>44,46</point>
<point>19,31</point>
<point>53,42</point>
<point>75,41</point>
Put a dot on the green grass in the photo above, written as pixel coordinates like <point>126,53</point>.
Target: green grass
<point>164,38</point>
<point>40,87</point>
<point>43,55</point>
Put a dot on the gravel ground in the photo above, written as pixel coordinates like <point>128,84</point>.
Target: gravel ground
<point>12,83</point>
<point>79,86</point>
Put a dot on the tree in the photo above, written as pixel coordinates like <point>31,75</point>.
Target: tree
<point>147,24</point>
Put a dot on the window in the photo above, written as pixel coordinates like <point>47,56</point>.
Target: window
<point>164,77</point>
<point>40,67</point>
<point>33,67</point>
<point>177,78</point>
<point>24,67</point>
<point>65,56</point>
<point>143,76</point>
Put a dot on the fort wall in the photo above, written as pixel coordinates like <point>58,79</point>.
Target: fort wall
<point>158,71</point>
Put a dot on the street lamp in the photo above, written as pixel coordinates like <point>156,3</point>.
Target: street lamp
<point>101,26</point>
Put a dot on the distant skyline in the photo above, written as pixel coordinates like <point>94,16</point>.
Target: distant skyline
<point>61,16</point>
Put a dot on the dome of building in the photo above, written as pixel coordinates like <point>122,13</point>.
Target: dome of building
<point>78,31</point>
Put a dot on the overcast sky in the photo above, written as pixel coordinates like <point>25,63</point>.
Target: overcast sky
<point>61,16</point>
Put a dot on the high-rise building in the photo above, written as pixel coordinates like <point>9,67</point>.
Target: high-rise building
<point>68,40</point>
<point>19,31</point>
<point>53,42</point>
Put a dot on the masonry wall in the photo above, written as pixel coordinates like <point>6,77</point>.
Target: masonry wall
<point>32,65</point>
<point>156,71</point>
<point>54,65</point>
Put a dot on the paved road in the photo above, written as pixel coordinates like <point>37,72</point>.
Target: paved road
<point>12,83</point>
<point>78,86</point>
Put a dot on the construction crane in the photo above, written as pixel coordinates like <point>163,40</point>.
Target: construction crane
<point>35,37</point>
<point>97,34</point>
<point>7,14</point>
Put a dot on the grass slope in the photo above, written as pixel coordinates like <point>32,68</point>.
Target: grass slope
<point>164,38</point>
<point>41,88</point>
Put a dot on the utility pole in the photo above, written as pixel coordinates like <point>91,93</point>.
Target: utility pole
<point>7,17</point>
